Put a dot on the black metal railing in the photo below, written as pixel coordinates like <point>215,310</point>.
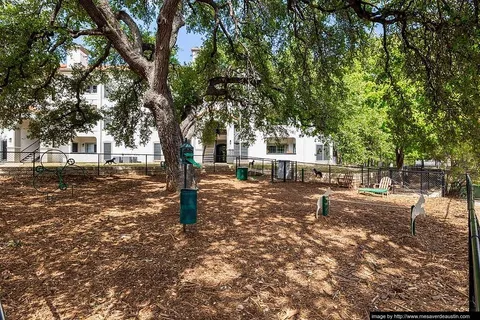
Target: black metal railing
<point>473,249</point>
<point>93,163</point>
<point>411,180</point>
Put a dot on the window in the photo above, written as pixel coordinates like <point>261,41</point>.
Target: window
<point>90,148</point>
<point>157,151</point>
<point>323,152</point>
<point>282,146</point>
<point>107,120</point>
<point>74,147</point>
<point>276,149</point>
<point>91,89</point>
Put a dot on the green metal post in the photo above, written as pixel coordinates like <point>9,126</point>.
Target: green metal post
<point>98,164</point>
<point>325,205</point>
<point>303,175</point>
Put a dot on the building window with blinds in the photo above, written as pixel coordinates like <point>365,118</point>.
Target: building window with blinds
<point>157,151</point>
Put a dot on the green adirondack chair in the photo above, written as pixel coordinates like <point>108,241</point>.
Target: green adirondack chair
<point>383,187</point>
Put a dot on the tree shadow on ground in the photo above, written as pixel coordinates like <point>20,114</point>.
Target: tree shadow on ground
<point>116,250</point>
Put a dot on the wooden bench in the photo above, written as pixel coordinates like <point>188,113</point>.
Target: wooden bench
<point>346,180</point>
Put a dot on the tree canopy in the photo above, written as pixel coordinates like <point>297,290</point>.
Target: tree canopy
<point>266,62</point>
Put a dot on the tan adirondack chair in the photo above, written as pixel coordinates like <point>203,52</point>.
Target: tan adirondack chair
<point>383,187</point>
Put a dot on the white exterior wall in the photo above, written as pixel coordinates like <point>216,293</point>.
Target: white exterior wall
<point>10,136</point>
<point>305,145</point>
<point>101,136</point>
<point>77,57</point>
<point>305,149</point>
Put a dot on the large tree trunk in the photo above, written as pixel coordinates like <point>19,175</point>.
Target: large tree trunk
<point>399,155</point>
<point>158,98</point>
<point>169,134</point>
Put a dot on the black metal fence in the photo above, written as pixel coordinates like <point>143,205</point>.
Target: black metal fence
<point>411,180</point>
<point>92,163</point>
<point>473,249</point>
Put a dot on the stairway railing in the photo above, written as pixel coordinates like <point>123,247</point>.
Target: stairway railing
<point>29,150</point>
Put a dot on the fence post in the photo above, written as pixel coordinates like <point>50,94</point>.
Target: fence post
<point>362,175</point>
<point>284,171</point>
<point>421,182</point>
<point>428,180</point>
<point>33,162</point>
<point>368,176</point>
<point>296,168</point>
<point>303,175</point>
<point>272,170</point>
<point>262,165</point>
<point>329,174</point>
<point>443,184</point>
<point>146,165</point>
<point>98,164</point>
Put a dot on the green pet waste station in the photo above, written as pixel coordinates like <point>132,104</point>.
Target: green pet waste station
<point>242,173</point>
<point>325,205</point>
<point>188,196</point>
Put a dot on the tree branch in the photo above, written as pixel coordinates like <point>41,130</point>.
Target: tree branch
<point>88,32</point>
<point>55,12</point>
<point>104,18</point>
<point>136,34</point>
<point>165,21</point>
<point>178,22</point>
<point>212,89</point>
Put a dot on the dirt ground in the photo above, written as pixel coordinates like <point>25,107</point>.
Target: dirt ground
<point>116,250</point>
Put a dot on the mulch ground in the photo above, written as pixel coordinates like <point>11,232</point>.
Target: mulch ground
<point>116,250</point>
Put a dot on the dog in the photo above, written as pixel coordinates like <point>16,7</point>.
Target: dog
<point>111,161</point>
<point>251,163</point>
<point>317,173</point>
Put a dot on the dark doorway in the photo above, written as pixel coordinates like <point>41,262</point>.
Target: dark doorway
<point>4,150</point>
<point>221,153</point>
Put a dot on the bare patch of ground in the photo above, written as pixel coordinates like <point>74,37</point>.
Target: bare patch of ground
<point>116,250</point>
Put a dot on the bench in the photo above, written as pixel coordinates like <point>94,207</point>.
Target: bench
<point>346,180</point>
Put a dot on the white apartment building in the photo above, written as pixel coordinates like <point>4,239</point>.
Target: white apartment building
<point>99,145</point>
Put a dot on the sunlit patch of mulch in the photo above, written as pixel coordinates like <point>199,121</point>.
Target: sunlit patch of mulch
<point>116,250</point>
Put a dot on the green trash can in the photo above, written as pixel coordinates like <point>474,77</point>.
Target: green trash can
<point>188,206</point>
<point>242,173</point>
